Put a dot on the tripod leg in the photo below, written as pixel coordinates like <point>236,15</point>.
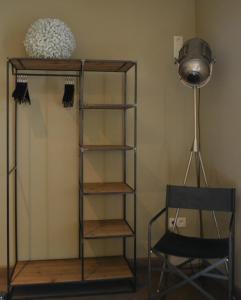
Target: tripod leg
<point>175,220</point>
<point>202,168</point>
<point>198,173</point>
<point>188,167</point>
<point>198,177</point>
<point>219,236</point>
<point>184,182</point>
<point>216,224</point>
<point>213,212</point>
<point>205,179</point>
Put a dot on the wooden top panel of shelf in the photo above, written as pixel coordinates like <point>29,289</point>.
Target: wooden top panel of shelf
<point>106,188</point>
<point>106,229</point>
<point>107,106</point>
<point>39,64</point>
<point>69,270</point>
<point>105,147</point>
<point>34,64</point>
<point>108,65</point>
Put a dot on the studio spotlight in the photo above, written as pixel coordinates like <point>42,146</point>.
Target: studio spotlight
<point>195,63</point>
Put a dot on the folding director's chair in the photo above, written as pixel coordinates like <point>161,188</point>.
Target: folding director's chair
<point>192,248</point>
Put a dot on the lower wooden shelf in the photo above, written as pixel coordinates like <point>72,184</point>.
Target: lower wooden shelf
<point>106,229</point>
<point>69,270</point>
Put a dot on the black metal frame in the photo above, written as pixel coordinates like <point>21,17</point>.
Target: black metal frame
<point>81,289</point>
<point>167,267</point>
<point>83,194</point>
<point>13,169</point>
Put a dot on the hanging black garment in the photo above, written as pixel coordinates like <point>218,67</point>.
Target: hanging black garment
<point>68,98</point>
<point>21,93</point>
<point>27,97</point>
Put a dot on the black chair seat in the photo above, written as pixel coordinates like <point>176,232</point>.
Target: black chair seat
<point>183,246</point>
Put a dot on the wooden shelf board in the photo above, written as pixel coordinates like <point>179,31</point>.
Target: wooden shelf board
<point>35,64</point>
<point>106,188</point>
<point>69,270</point>
<point>105,147</point>
<point>38,64</point>
<point>106,268</point>
<point>107,106</point>
<point>106,229</point>
<point>46,271</point>
<point>108,65</point>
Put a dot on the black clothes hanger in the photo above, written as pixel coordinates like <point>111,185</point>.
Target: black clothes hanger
<point>68,98</point>
<point>21,93</point>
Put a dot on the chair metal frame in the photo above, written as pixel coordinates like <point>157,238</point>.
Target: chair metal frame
<point>167,267</point>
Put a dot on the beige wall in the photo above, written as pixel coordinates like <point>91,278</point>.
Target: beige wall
<point>218,21</point>
<point>141,30</point>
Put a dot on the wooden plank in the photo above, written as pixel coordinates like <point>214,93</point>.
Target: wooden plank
<point>106,229</point>
<point>16,64</point>
<point>107,106</point>
<point>108,65</point>
<point>46,64</point>
<point>27,63</point>
<point>105,147</point>
<point>105,268</point>
<point>107,188</point>
<point>69,270</point>
<point>126,66</point>
<point>46,271</point>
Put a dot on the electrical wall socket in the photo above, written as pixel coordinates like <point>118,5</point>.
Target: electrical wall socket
<point>177,45</point>
<point>181,222</point>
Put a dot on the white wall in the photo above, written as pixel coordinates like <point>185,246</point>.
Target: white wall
<point>219,22</point>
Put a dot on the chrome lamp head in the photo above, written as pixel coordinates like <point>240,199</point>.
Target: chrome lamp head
<point>195,63</point>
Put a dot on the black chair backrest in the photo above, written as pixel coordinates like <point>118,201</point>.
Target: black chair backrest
<point>204,198</point>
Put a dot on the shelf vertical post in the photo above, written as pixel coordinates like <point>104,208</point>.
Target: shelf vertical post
<point>124,154</point>
<point>15,175</point>
<point>135,164</point>
<point>7,181</point>
<point>81,179</point>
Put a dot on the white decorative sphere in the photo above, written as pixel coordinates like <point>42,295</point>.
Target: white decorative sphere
<point>49,38</point>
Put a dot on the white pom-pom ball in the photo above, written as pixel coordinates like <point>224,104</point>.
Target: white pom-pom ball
<point>49,38</point>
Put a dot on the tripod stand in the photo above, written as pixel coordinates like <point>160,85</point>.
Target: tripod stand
<point>196,154</point>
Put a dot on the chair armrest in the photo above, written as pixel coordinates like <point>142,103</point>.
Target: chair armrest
<point>231,225</point>
<point>156,216</point>
<point>150,225</point>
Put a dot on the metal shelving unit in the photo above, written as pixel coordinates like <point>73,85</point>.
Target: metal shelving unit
<point>82,269</point>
